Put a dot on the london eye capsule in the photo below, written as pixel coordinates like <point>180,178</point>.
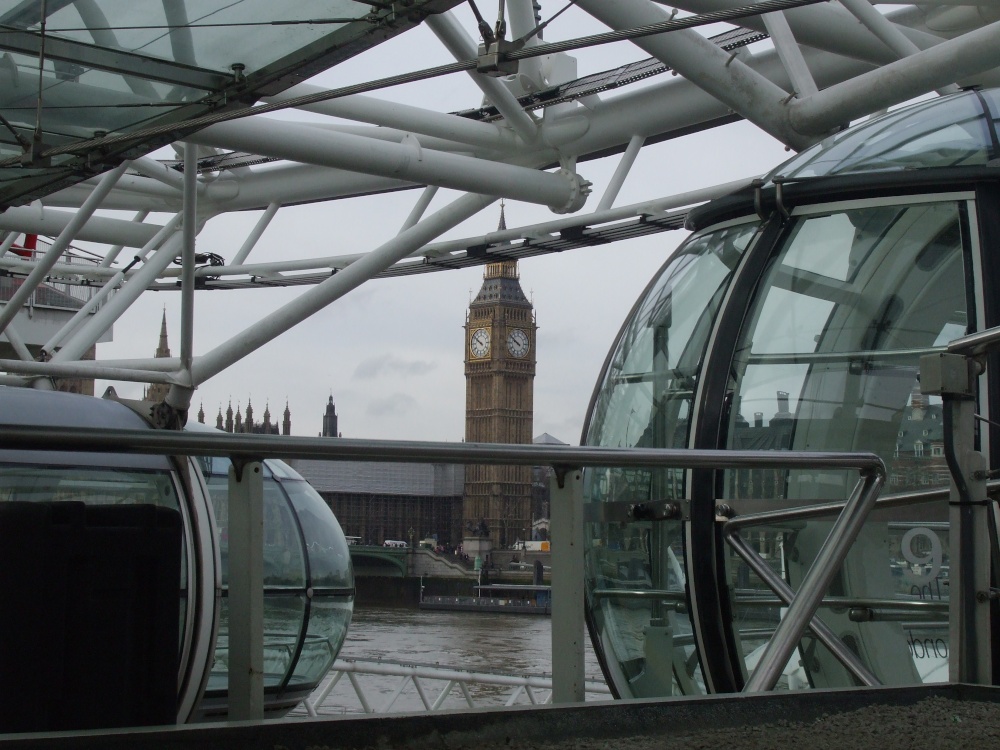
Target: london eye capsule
<point>794,318</point>
<point>114,573</point>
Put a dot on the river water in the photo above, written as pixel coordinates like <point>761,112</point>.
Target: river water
<point>496,643</point>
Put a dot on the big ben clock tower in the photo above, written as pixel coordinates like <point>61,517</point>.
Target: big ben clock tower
<point>499,380</point>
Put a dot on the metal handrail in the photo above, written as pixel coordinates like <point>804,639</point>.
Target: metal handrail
<point>802,605</point>
<point>250,447</point>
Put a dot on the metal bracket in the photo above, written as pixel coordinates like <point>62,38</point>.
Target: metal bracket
<point>561,471</point>
<point>944,374</point>
<point>493,61</point>
<point>655,511</point>
<point>240,463</point>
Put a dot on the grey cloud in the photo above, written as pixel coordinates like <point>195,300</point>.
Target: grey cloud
<point>390,366</point>
<point>396,403</point>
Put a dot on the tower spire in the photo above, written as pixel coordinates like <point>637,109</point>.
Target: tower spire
<point>163,349</point>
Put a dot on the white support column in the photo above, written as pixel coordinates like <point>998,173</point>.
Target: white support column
<point>109,286</point>
<point>36,219</point>
<point>246,592</point>
<point>45,263</point>
<point>336,286</point>
<point>8,241</point>
<point>568,679</point>
<point>88,333</point>
<point>189,230</point>
<point>15,340</point>
<point>80,315</point>
<point>897,82</point>
<point>705,65</point>
<point>522,21</point>
<point>405,117</point>
<point>453,36</point>
<point>255,234</point>
<point>621,172</point>
<point>158,171</point>
<point>112,254</point>
<point>887,32</point>
<point>426,196</point>
<point>408,161</point>
<point>789,53</point>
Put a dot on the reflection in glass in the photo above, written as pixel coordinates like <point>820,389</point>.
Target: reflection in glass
<point>829,360</point>
<point>635,571</point>
<point>943,132</point>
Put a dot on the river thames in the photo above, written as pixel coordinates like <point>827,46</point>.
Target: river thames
<point>509,644</point>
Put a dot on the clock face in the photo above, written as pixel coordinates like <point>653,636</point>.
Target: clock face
<point>479,343</point>
<point>517,343</point>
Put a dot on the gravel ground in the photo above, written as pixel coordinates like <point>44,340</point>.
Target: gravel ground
<point>933,723</point>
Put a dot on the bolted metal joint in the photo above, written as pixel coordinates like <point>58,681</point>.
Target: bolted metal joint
<point>579,190</point>
<point>493,59</point>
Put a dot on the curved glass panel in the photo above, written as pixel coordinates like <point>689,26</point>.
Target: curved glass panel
<point>329,619</point>
<point>944,132</point>
<point>305,556</point>
<point>329,557</point>
<point>828,361</point>
<point>635,570</point>
<point>283,617</point>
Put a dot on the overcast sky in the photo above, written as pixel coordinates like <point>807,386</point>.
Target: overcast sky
<point>391,352</point>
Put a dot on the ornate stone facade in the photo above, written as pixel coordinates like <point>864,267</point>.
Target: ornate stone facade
<point>499,376</point>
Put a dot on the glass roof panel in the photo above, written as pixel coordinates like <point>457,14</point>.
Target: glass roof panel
<point>114,67</point>
<point>949,131</point>
<point>205,34</point>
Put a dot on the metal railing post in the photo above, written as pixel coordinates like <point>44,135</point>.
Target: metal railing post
<point>953,376</point>
<point>817,579</point>
<point>246,591</point>
<point>567,585</point>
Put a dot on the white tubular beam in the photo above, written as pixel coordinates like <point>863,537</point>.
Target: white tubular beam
<point>83,370</point>
<point>189,229</point>
<point>405,117</point>
<point>402,161</point>
<point>453,36</point>
<point>426,196</point>
<point>37,220</point>
<point>904,79</point>
<point>8,242</point>
<point>181,40</point>
<point>100,30</point>
<point>88,334</point>
<point>887,32</point>
<point>522,21</point>
<point>446,247</point>
<point>155,170</point>
<point>705,65</point>
<point>154,364</point>
<point>112,254</point>
<point>621,172</point>
<point>336,286</point>
<point>789,53</point>
<point>80,315</point>
<point>824,26</point>
<point>255,234</point>
<point>15,340</point>
<point>45,263</point>
<point>881,27</point>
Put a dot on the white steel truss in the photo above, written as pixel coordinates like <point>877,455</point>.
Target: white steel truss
<point>262,140</point>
